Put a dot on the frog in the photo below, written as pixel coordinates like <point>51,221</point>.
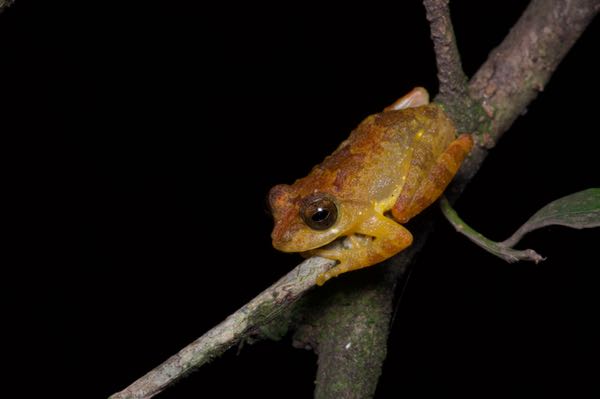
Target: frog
<point>353,206</point>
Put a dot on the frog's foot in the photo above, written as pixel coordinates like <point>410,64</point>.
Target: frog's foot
<point>415,98</point>
<point>377,239</point>
<point>337,251</point>
<point>436,181</point>
<point>333,272</point>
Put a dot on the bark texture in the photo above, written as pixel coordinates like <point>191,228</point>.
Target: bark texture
<point>351,330</point>
<point>453,91</point>
<point>5,3</point>
<point>518,69</point>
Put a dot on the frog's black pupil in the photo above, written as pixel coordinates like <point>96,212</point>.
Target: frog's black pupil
<point>318,211</point>
<point>320,215</point>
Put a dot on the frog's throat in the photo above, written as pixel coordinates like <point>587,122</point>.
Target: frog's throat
<point>346,242</point>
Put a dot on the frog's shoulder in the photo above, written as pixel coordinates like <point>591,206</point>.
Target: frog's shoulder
<point>356,158</point>
<point>410,117</point>
<point>356,152</point>
<point>338,171</point>
<point>373,129</point>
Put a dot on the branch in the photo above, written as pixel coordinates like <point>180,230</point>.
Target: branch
<point>520,67</point>
<point>346,322</point>
<point>453,91</point>
<point>258,312</point>
<point>5,4</point>
<point>510,79</point>
<point>452,79</point>
<point>357,310</point>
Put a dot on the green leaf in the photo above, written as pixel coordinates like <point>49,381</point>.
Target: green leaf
<point>580,210</point>
<point>508,254</point>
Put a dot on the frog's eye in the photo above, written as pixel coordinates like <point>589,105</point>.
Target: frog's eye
<point>319,212</point>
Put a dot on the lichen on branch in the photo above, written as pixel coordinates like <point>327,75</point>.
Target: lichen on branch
<point>5,3</point>
<point>259,311</point>
<point>453,89</point>
<point>520,67</point>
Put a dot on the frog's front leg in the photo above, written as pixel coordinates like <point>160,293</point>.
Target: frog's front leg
<point>375,240</point>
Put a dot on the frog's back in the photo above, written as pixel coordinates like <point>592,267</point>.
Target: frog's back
<point>372,163</point>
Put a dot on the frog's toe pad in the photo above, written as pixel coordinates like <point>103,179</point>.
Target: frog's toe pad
<point>324,277</point>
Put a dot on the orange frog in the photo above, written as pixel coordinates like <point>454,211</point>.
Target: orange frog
<point>351,207</point>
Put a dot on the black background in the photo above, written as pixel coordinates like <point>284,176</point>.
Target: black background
<point>152,131</point>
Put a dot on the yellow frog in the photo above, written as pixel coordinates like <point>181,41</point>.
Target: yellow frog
<point>350,207</point>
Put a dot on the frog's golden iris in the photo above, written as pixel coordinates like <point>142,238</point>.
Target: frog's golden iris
<point>318,211</point>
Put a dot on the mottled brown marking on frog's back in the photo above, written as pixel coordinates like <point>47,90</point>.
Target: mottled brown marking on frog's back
<point>394,118</point>
<point>411,120</point>
<point>371,155</point>
<point>348,161</point>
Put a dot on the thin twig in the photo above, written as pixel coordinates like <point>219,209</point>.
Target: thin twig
<point>255,313</point>
<point>453,93</point>
<point>452,79</point>
<point>507,253</point>
<point>5,4</point>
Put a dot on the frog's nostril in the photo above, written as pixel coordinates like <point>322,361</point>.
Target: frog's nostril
<point>279,235</point>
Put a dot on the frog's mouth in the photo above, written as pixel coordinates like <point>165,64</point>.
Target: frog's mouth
<point>343,243</point>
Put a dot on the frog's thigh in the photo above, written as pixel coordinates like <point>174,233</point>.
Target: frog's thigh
<point>436,181</point>
<point>415,98</point>
<point>389,239</point>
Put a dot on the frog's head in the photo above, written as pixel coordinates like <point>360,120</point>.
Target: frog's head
<point>309,221</point>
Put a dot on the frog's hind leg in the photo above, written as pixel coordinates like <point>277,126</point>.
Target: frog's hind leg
<point>415,98</point>
<point>437,180</point>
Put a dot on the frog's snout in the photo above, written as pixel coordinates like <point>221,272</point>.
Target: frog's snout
<point>292,239</point>
<point>281,237</point>
<point>285,242</point>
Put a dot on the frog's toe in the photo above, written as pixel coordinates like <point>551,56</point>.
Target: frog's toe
<point>323,277</point>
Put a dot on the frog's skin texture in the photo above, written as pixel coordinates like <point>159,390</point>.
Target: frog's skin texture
<point>393,165</point>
